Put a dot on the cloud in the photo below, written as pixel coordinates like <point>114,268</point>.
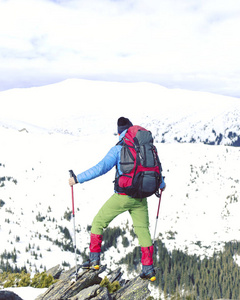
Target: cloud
<point>188,44</point>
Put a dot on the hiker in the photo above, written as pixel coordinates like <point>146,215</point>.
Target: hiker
<point>118,203</point>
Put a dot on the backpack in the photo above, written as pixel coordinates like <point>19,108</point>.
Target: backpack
<point>139,163</point>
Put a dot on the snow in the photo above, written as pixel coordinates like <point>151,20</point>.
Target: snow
<point>27,293</point>
<point>72,125</point>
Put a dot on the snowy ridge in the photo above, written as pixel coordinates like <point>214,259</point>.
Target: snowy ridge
<point>77,106</point>
<point>63,126</point>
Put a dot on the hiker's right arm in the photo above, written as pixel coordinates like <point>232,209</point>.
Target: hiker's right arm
<point>105,165</point>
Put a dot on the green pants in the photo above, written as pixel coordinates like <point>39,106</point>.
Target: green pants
<point>117,204</point>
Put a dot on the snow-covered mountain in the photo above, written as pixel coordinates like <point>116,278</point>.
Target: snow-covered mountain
<point>81,107</point>
<point>46,131</point>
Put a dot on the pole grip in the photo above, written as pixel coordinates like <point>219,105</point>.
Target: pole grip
<point>71,173</point>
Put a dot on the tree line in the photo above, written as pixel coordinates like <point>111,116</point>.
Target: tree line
<point>184,276</point>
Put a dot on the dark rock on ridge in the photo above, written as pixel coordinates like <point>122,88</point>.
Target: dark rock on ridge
<point>87,286</point>
<point>7,295</point>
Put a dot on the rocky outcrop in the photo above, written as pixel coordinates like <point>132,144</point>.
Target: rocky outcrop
<point>87,286</point>
<point>7,295</point>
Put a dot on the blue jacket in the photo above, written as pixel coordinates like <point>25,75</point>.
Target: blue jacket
<point>106,164</point>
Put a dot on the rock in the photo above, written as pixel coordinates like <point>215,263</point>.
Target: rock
<point>94,292</point>
<point>115,275</point>
<point>7,295</point>
<point>136,288</point>
<point>87,286</point>
<point>87,293</point>
<point>66,287</point>
<point>23,130</point>
<point>55,272</point>
<point>103,295</point>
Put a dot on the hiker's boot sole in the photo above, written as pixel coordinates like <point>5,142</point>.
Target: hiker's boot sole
<point>151,276</point>
<point>96,267</point>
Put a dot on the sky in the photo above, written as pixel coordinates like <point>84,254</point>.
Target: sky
<point>185,44</point>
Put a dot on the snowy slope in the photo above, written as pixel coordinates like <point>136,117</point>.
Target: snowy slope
<point>71,125</point>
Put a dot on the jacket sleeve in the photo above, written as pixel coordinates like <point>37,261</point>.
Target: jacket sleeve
<point>162,185</point>
<point>105,165</point>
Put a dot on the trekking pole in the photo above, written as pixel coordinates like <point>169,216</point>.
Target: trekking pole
<point>160,196</point>
<point>74,230</point>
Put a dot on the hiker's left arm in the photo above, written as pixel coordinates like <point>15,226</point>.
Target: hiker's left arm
<point>163,184</point>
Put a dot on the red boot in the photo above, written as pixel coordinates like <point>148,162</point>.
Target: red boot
<point>148,271</point>
<point>95,242</point>
<point>95,249</point>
